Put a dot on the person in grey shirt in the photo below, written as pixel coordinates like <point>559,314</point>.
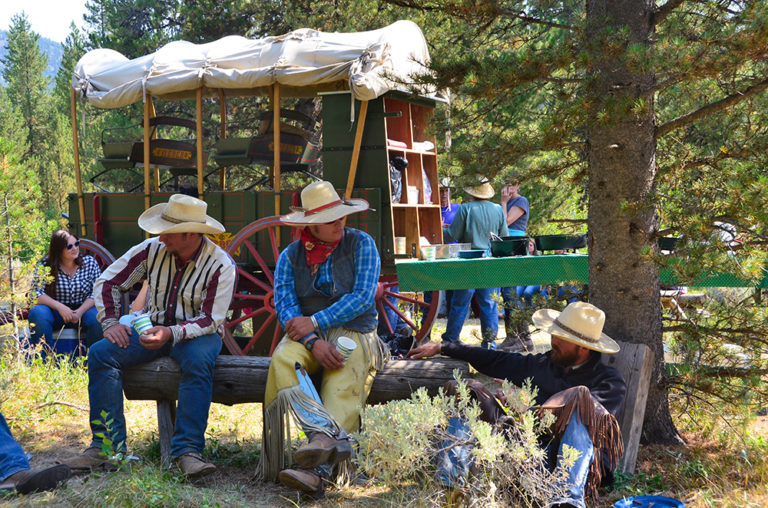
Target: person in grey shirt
<point>474,223</point>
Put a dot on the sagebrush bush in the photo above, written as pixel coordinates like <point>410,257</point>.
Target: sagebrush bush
<point>401,440</point>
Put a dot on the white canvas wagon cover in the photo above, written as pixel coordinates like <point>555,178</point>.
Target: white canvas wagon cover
<point>304,62</point>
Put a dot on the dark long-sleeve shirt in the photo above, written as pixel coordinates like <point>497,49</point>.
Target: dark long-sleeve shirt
<point>604,382</point>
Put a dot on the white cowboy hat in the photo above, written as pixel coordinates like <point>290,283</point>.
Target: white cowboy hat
<point>320,203</point>
<point>580,323</point>
<point>482,191</point>
<point>181,214</point>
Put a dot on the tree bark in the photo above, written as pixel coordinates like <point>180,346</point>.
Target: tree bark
<point>622,218</point>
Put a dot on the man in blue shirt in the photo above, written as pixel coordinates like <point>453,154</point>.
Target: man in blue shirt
<point>325,284</point>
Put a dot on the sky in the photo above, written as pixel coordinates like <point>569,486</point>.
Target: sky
<point>48,18</point>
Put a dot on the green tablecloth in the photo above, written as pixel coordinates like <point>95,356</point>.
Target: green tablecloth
<point>415,275</point>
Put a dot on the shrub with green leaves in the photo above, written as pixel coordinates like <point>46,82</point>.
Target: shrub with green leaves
<point>401,439</point>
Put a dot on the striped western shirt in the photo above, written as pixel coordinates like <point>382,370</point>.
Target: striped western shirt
<point>190,298</point>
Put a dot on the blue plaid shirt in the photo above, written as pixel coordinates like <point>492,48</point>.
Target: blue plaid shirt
<point>367,268</point>
<point>71,291</point>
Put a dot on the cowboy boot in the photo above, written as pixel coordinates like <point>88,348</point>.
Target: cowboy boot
<point>322,449</point>
<point>304,480</point>
<point>38,480</point>
<point>91,459</point>
<point>193,466</point>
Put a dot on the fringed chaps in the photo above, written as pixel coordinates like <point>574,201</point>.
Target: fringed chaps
<point>284,399</point>
<point>602,427</point>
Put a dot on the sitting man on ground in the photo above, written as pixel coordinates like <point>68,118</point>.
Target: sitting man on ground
<point>190,282</point>
<point>15,472</point>
<point>325,283</point>
<point>583,393</point>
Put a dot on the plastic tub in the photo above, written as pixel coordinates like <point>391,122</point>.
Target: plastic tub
<point>471,253</point>
<point>510,246</point>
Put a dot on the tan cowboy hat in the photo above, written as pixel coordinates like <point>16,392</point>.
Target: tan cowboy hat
<point>320,203</point>
<point>580,323</point>
<point>482,191</point>
<point>181,214</point>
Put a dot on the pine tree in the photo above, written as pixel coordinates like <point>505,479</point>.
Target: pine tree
<point>23,68</point>
<point>653,109</point>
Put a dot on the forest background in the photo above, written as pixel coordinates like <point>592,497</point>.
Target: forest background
<point>631,119</point>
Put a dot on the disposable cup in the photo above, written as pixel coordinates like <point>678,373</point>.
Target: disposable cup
<point>141,323</point>
<point>399,245</point>
<point>428,252</point>
<point>345,346</point>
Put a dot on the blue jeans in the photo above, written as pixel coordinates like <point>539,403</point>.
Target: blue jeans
<point>196,358</point>
<point>46,320</point>
<point>458,308</point>
<point>455,462</point>
<point>576,436</point>
<point>12,457</point>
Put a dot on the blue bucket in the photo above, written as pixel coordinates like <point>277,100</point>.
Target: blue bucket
<point>66,342</point>
<point>648,502</point>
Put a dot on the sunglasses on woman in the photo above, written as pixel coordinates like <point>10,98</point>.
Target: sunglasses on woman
<point>71,245</point>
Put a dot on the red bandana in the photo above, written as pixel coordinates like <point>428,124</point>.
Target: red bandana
<point>316,250</point>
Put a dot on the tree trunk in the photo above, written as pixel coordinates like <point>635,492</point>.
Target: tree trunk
<point>622,218</point>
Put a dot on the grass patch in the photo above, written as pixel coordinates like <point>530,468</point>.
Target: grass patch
<point>45,402</point>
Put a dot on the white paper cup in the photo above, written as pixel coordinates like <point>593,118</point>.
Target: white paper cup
<point>399,245</point>
<point>345,346</point>
<point>428,252</point>
<point>141,323</point>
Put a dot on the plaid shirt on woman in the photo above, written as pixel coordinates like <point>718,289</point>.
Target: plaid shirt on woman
<point>73,290</point>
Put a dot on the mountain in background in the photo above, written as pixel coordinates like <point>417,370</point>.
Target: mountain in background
<point>50,48</point>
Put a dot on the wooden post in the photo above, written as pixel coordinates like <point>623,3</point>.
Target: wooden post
<point>76,149</point>
<point>166,421</point>
<point>156,169</point>
<point>276,148</point>
<point>147,110</point>
<point>199,143</point>
<point>635,362</point>
<point>356,149</point>
<point>223,134</point>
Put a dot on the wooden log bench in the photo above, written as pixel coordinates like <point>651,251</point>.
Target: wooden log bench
<point>241,379</point>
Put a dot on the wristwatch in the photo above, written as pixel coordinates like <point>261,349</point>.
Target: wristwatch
<point>310,343</point>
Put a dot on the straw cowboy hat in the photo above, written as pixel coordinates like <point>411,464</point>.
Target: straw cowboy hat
<point>181,214</point>
<point>320,203</point>
<point>580,323</point>
<point>481,191</point>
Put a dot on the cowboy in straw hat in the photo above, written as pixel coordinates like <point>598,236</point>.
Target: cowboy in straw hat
<point>473,223</point>
<point>190,281</point>
<point>325,284</point>
<point>583,393</point>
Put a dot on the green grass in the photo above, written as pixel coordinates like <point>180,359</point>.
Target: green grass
<point>46,401</point>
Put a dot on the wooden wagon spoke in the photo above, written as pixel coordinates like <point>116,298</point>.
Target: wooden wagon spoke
<point>399,313</point>
<point>261,284</point>
<point>260,260</point>
<point>250,315</point>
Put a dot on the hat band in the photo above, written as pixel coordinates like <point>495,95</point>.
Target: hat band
<point>574,332</point>
<point>321,208</point>
<point>178,221</point>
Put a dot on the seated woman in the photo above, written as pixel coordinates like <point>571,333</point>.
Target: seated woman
<point>67,300</point>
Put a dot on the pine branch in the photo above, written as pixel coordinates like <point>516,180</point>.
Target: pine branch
<point>711,108</point>
<point>665,10</point>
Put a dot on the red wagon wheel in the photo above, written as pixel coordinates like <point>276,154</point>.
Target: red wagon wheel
<point>252,325</point>
<point>420,321</point>
<point>100,253</point>
<point>104,258</point>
